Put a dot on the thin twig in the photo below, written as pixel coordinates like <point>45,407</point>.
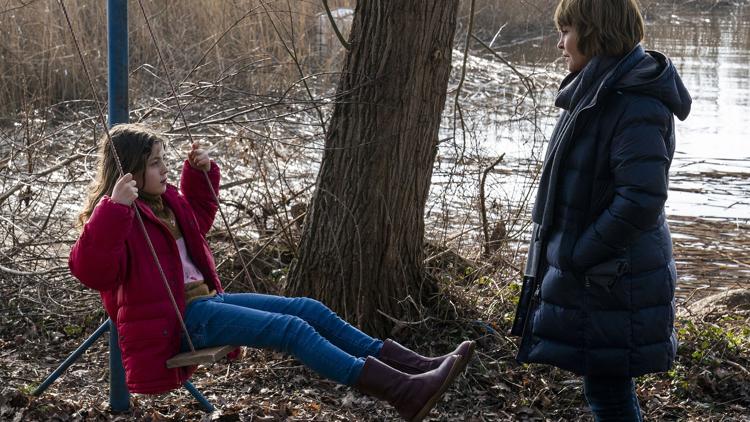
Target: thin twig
<point>456,103</point>
<point>335,27</point>
<point>293,55</point>
<point>36,176</point>
<point>527,81</point>
<point>482,206</point>
<point>25,273</point>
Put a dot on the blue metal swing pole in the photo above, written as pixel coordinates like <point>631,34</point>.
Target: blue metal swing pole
<point>205,405</point>
<point>117,98</point>
<point>117,53</point>
<point>117,82</point>
<point>119,396</point>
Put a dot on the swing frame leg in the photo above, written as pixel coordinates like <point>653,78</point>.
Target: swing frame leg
<point>71,359</point>
<point>119,396</point>
<point>204,403</point>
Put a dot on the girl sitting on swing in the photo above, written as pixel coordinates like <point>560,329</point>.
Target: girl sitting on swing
<point>112,256</point>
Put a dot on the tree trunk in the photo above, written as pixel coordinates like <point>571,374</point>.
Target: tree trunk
<point>361,249</point>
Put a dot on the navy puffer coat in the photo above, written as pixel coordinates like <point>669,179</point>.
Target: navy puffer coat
<point>605,304</point>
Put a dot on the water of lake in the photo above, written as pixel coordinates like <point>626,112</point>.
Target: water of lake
<point>711,50</point>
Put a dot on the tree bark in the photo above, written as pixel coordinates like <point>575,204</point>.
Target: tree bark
<point>361,250</point>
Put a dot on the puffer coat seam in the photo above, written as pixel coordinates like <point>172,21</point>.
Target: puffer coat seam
<point>647,308</point>
<point>567,308</point>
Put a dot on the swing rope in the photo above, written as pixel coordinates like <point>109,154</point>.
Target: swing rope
<point>190,136</point>
<point>120,170</point>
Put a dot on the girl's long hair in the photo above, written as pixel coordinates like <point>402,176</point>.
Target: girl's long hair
<point>133,143</point>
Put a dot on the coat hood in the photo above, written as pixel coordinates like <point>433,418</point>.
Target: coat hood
<point>654,75</point>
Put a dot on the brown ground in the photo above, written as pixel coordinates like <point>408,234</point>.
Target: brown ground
<point>710,381</point>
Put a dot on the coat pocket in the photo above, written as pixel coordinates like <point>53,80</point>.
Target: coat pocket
<point>528,290</point>
<point>606,274</point>
<point>607,286</point>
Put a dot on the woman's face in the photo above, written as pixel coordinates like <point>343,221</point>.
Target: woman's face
<point>569,45</point>
<point>154,179</point>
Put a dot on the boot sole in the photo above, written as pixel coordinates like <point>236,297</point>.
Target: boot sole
<point>454,372</point>
<point>415,370</point>
<point>464,361</point>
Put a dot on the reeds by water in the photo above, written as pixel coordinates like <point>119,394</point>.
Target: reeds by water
<point>241,43</point>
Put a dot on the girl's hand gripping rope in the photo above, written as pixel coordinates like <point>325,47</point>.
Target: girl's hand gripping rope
<point>198,158</point>
<point>125,190</point>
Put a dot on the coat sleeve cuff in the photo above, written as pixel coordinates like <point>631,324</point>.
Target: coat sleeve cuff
<point>110,223</point>
<point>192,181</point>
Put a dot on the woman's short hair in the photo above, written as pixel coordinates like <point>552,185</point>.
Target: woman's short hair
<point>604,27</point>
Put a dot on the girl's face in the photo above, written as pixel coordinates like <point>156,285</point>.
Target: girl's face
<point>569,45</point>
<point>154,178</point>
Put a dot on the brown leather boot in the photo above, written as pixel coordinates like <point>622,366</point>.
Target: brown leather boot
<point>411,362</point>
<point>413,396</point>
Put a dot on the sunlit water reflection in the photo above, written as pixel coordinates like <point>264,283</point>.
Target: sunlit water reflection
<point>711,170</point>
<point>710,175</point>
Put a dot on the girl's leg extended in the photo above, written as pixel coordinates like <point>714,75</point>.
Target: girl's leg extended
<point>213,322</point>
<point>612,399</point>
<point>324,320</point>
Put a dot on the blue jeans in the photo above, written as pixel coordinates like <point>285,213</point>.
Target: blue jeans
<point>612,399</point>
<point>302,327</point>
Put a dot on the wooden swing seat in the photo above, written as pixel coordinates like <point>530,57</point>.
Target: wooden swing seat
<point>200,356</point>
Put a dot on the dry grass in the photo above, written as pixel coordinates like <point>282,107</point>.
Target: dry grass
<point>39,65</point>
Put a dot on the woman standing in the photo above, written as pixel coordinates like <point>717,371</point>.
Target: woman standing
<point>599,291</point>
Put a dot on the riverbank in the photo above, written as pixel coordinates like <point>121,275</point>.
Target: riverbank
<point>712,255</point>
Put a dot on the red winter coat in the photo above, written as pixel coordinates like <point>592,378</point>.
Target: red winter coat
<point>112,256</point>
